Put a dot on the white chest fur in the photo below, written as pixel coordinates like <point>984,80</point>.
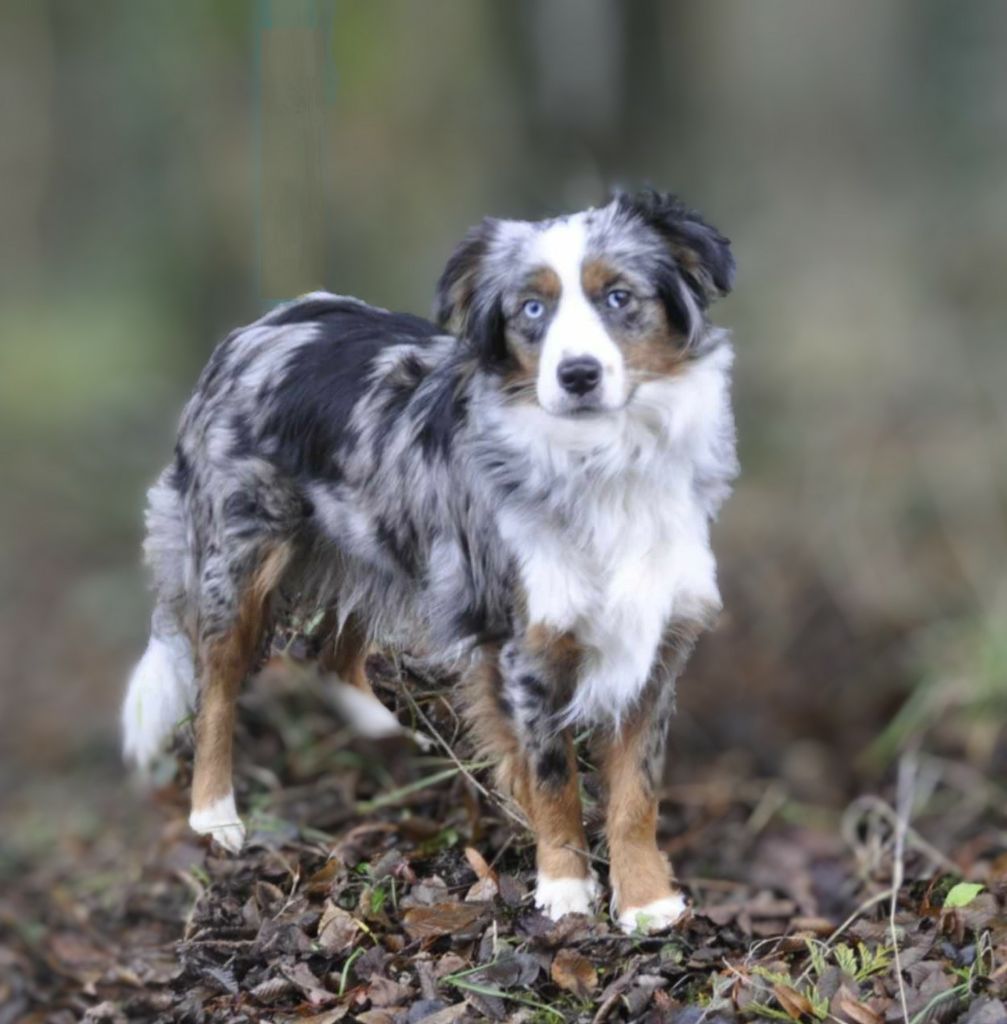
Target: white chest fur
<point>621,548</point>
<point>639,557</point>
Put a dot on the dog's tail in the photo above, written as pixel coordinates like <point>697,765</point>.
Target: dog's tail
<point>162,687</point>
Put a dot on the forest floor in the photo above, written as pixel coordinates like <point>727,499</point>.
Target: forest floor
<point>385,885</point>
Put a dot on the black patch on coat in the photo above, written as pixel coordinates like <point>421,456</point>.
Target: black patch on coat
<point>472,621</point>
<point>551,766</point>
<point>312,403</point>
<point>181,474</point>
<point>439,410</point>
<point>402,549</point>
<point>534,687</point>
<point>395,393</point>
<point>669,290</point>
<point>243,444</point>
<point>246,516</point>
<point>487,333</point>
<point>701,253</point>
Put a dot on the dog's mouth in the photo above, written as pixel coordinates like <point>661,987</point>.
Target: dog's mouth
<point>585,409</point>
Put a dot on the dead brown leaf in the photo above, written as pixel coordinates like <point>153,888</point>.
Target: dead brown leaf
<point>574,973</point>
<point>459,919</point>
<point>484,891</point>
<point>795,1004</point>
<point>337,929</point>
<point>310,986</point>
<point>856,1011</point>
<point>376,1017</point>
<point>326,1016</point>
<point>478,863</point>
<point>383,992</point>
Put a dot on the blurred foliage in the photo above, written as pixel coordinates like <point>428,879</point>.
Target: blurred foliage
<point>169,169</point>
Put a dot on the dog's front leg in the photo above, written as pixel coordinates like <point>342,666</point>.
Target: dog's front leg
<point>514,698</point>
<point>644,897</point>
<point>538,673</point>
<point>546,787</point>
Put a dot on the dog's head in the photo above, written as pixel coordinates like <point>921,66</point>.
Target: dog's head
<point>578,312</point>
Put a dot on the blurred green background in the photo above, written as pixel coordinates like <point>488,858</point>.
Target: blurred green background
<point>168,168</point>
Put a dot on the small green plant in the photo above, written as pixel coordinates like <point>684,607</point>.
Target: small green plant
<point>783,985</point>
<point>379,897</point>
<point>961,895</point>
<point>863,963</point>
<point>802,995</point>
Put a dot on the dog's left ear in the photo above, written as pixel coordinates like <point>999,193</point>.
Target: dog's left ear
<point>465,304</point>
<point>702,254</point>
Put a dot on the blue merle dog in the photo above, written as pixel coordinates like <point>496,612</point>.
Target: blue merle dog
<point>529,481</point>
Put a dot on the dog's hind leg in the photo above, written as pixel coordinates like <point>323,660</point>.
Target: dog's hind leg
<point>344,652</point>
<point>227,656</point>
<point>344,657</point>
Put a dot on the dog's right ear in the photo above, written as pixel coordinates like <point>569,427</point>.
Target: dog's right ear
<point>459,284</point>
<point>467,305</point>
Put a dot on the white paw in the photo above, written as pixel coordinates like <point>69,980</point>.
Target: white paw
<point>363,712</point>
<point>558,896</point>
<point>654,917</point>
<point>220,821</point>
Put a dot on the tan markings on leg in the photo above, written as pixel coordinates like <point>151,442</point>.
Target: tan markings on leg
<point>554,813</point>
<point>559,650</point>
<point>556,817</point>
<point>640,873</point>
<point>490,730</point>
<point>225,662</point>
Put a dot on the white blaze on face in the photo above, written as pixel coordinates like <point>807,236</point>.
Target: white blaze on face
<point>576,329</point>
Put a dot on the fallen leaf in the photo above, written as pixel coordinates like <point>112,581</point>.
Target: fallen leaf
<point>376,1017</point>
<point>271,989</point>
<point>450,963</point>
<point>310,986</point>
<point>484,891</point>
<point>383,992</point>
<point>478,863</point>
<point>795,1004</point>
<point>962,894</point>
<point>574,973</point>
<point>326,1016</point>
<point>442,919</point>
<point>337,929</point>
<point>511,970</point>
<point>446,1016</point>
<point>858,1012</point>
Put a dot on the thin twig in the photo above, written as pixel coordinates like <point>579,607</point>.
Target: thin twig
<point>446,747</point>
<point>911,836</point>
<point>904,796</point>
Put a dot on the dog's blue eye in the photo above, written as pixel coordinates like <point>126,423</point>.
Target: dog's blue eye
<point>617,298</point>
<point>533,309</point>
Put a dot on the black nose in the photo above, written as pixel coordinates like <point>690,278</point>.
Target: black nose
<point>579,375</point>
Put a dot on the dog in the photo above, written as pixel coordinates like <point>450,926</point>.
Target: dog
<point>530,480</point>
